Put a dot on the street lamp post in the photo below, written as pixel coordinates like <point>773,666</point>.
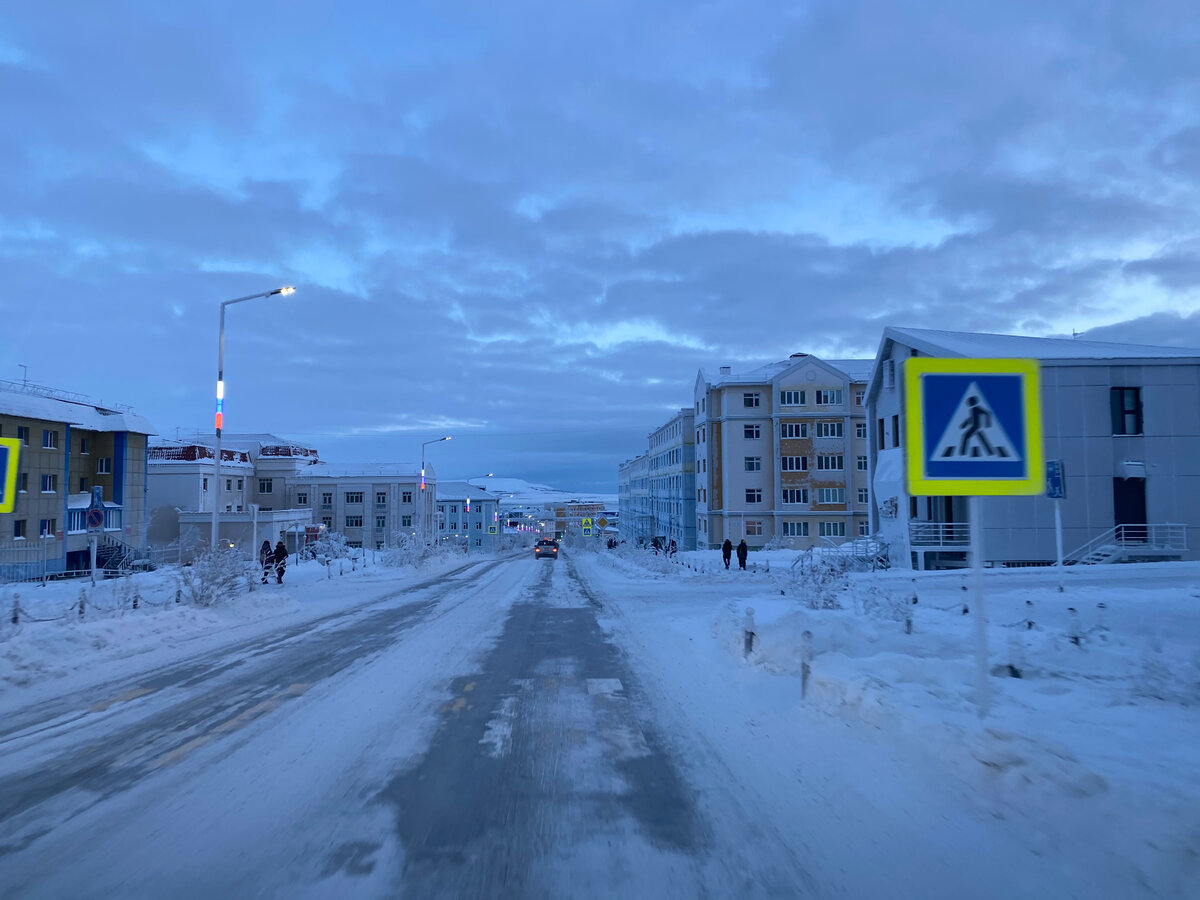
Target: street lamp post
<point>422,500</point>
<point>220,414</point>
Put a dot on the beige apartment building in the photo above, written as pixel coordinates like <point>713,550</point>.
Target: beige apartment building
<point>781,453</point>
<point>74,456</point>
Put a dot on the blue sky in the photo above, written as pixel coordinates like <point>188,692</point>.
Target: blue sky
<point>529,224</point>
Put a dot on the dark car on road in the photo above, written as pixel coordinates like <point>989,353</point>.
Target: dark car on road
<point>545,548</point>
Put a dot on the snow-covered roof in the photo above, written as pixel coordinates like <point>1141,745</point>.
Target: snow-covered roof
<point>461,490</point>
<point>34,402</point>
<point>853,369</point>
<point>359,470</point>
<point>1013,346</point>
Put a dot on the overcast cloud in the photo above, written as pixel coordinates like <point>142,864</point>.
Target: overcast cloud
<point>529,224</point>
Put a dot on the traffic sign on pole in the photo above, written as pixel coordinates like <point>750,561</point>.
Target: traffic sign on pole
<point>974,427</point>
<point>10,450</point>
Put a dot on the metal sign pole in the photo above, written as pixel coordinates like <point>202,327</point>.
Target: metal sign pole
<point>979,602</point>
<point>92,550</point>
<point>1058,541</point>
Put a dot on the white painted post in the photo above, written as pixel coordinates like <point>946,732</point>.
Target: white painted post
<point>749,632</point>
<point>806,658</point>
<point>984,697</point>
<point>92,551</point>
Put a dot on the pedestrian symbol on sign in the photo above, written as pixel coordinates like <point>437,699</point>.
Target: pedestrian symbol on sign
<point>974,431</point>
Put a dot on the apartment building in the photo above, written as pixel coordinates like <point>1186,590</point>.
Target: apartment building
<point>671,467</point>
<point>69,449</point>
<point>781,453</point>
<point>469,516</point>
<point>1124,419</point>
<point>371,504</point>
<point>559,518</point>
<point>636,520</point>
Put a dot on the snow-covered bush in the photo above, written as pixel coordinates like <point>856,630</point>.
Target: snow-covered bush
<point>410,551</point>
<point>214,577</point>
<point>819,581</point>
<point>330,545</point>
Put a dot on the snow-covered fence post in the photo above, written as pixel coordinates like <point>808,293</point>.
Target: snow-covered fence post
<point>1016,655</point>
<point>341,567</point>
<point>178,595</point>
<point>1073,629</point>
<point>82,602</point>
<point>16,613</point>
<point>909,612</point>
<point>1029,615</point>
<point>806,658</point>
<point>136,599</point>
<point>1102,616</point>
<point>749,633</point>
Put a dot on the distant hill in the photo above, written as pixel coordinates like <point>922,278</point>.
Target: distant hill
<point>518,492</point>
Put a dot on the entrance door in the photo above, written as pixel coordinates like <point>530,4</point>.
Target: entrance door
<point>1129,506</point>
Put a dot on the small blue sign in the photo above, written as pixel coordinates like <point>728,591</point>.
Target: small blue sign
<point>1056,480</point>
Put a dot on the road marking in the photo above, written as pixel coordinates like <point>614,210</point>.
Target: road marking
<point>256,711</point>
<point>120,698</point>
<point>604,686</point>
<point>497,735</point>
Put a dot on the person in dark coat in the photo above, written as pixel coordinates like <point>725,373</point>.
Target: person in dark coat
<point>726,551</point>
<point>266,559</point>
<point>743,552</point>
<point>280,558</point>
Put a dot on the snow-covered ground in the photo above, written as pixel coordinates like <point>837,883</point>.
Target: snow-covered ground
<point>1083,778</point>
<point>1088,764</point>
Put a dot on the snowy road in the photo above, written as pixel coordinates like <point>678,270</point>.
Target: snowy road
<point>475,736</point>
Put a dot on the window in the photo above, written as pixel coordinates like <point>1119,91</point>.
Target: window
<point>204,484</point>
<point>23,435</point>
<point>864,529</point>
<point>83,485</point>
<point>478,526</point>
<point>241,484</point>
<point>795,495</point>
<point>1126,406</point>
<point>23,482</point>
<point>882,444</point>
<point>791,398</point>
<point>326,521</point>
<point>354,521</point>
<point>795,529</point>
<point>478,542</point>
<point>896,430</point>
<point>355,544</point>
<point>828,398</point>
<point>860,463</point>
<point>858,398</point>
<point>104,467</point>
<point>830,461</point>
<point>406,497</point>
<point>864,495</point>
<point>47,527</point>
<point>793,463</point>
<point>19,530</point>
<point>49,484</point>
<point>753,463</point>
<point>860,430</point>
<point>750,399</point>
<point>831,495</point>
<point>265,486</point>
<point>751,432</point>
<point>754,527</point>
<point>381,522</point>
<point>381,497</point>
<point>754,495</point>
<point>83,446</point>
<point>406,521</point>
<point>302,498</point>
<point>228,507</point>
<point>831,529</point>
<point>229,484</point>
<point>326,499</point>
<point>454,526</point>
<point>829,429</point>
<point>793,430</point>
<point>49,439</point>
<point>454,508</point>
<point>354,496</point>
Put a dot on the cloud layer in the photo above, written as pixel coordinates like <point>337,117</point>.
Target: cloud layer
<point>529,224</point>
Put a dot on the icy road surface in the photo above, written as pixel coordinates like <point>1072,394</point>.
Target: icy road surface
<point>475,737</point>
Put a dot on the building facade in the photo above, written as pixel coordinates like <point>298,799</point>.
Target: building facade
<point>468,516</point>
<point>636,524</point>
<point>671,470</point>
<point>374,506</point>
<point>781,454</point>
<point>69,449</point>
<point>1123,418</point>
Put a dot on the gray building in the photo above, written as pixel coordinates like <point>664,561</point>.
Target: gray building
<point>371,504</point>
<point>636,515</point>
<point>1123,418</point>
<point>469,516</point>
<point>671,471</point>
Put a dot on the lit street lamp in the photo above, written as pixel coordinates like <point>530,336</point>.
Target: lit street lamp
<point>216,516</point>
<point>421,508</point>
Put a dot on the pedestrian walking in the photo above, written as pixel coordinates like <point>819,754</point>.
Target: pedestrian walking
<point>743,551</point>
<point>672,548</point>
<point>726,551</point>
<point>280,558</point>
<point>266,559</point>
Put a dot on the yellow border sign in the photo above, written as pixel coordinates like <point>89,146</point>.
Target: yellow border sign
<point>974,426</point>
<point>10,450</point>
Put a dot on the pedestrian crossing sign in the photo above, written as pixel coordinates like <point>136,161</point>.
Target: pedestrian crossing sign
<point>10,449</point>
<point>974,427</point>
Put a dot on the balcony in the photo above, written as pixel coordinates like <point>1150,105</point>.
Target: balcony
<point>380,507</point>
<point>939,534</point>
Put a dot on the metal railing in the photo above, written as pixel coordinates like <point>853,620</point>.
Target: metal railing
<point>939,534</point>
<point>1119,540</point>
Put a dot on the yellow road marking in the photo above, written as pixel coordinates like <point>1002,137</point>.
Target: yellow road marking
<point>132,694</point>
<point>469,687</point>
